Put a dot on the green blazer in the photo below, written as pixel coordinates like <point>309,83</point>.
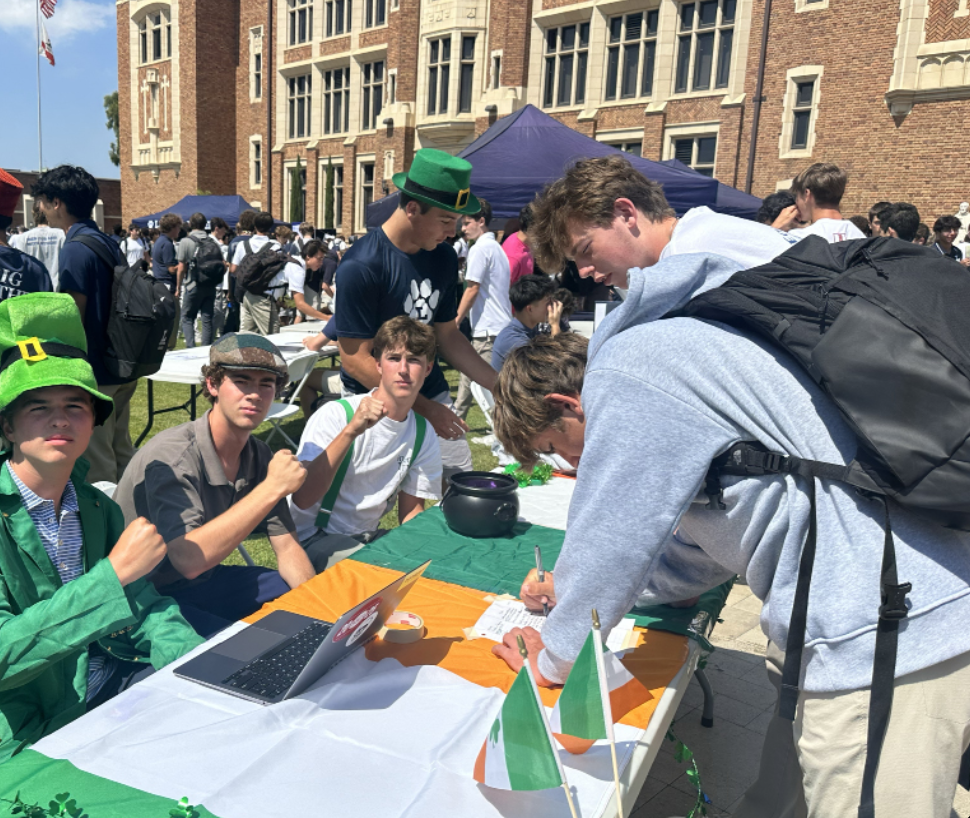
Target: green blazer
<point>46,627</point>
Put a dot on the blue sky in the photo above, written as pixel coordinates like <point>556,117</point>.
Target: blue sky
<point>82,33</point>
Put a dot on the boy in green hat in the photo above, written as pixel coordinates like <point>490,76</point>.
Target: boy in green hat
<point>405,268</point>
<point>78,622</point>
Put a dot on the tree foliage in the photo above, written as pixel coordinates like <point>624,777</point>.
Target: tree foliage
<point>111,112</point>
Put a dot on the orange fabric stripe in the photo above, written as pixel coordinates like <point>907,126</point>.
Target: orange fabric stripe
<point>574,745</point>
<point>446,610</point>
<point>627,697</point>
<point>479,773</point>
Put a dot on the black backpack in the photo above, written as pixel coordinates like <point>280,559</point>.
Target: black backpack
<point>258,269</point>
<point>142,317</point>
<point>881,325</point>
<point>207,266</point>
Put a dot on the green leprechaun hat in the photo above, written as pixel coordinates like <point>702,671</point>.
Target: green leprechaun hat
<point>440,180</point>
<point>42,343</point>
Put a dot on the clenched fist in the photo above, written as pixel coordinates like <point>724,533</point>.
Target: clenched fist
<point>285,473</point>
<point>368,414</point>
<point>138,550</point>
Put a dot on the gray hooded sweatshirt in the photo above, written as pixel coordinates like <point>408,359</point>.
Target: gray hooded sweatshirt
<point>662,399</point>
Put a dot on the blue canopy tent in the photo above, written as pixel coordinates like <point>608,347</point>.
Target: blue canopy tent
<point>524,151</point>
<point>226,207</point>
<point>730,200</point>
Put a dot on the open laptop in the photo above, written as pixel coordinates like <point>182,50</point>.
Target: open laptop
<point>284,653</point>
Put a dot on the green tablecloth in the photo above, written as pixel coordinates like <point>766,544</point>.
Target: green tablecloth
<point>499,565</point>
<point>39,779</point>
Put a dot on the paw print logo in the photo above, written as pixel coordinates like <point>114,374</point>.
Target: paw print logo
<point>421,302</point>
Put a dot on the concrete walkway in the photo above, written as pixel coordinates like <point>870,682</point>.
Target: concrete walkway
<point>729,753</point>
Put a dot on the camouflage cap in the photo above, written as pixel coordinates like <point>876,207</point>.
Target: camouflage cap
<point>246,350</point>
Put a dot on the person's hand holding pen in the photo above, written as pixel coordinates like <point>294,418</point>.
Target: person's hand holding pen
<point>535,593</point>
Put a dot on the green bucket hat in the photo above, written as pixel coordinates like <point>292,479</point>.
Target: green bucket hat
<point>440,180</point>
<point>42,343</point>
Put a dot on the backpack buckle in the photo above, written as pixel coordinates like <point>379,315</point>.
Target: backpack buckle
<point>893,606</point>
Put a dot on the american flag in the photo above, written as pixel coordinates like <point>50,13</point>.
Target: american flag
<point>47,8</point>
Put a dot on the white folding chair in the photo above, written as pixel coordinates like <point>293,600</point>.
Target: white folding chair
<point>299,370</point>
<point>485,402</point>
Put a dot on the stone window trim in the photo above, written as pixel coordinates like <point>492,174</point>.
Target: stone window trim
<point>299,23</point>
<point>623,138</point>
<point>363,183</point>
<point>631,43</point>
<point>299,106</point>
<point>154,34</point>
<point>565,65</point>
<point>794,76</point>
<point>288,165</point>
<point>257,162</point>
<point>338,190</point>
<point>963,10</point>
<point>495,69</point>
<point>373,84</point>
<point>700,65</point>
<point>375,14</point>
<point>335,99</point>
<point>257,64</point>
<point>810,5</point>
<point>338,18</point>
<point>689,130</point>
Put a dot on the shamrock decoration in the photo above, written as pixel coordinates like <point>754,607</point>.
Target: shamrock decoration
<point>183,809</point>
<point>539,475</point>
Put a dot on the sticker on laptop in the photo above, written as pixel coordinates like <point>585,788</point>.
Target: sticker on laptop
<point>357,627</point>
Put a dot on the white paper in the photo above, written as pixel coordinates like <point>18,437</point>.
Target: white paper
<point>503,615</point>
<point>616,641</point>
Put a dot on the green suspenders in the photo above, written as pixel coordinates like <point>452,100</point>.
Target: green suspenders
<point>326,505</point>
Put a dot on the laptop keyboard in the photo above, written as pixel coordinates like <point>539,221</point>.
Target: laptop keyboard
<point>273,673</point>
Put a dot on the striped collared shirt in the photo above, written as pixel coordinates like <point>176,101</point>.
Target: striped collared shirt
<point>63,542</point>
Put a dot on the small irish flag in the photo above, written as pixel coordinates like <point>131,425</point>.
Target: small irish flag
<point>519,752</point>
<point>598,692</point>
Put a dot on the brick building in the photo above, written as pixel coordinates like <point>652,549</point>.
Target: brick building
<point>259,97</point>
<point>107,212</point>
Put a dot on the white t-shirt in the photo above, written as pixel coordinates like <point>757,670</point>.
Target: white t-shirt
<point>379,463</point>
<point>295,273</point>
<point>44,243</point>
<point>256,241</point>
<point>832,230</point>
<point>701,230</point>
<point>488,266</point>
<point>134,250</point>
<point>225,257</point>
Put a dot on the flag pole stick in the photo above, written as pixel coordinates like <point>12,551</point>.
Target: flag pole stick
<point>565,784</point>
<point>607,712</point>
<point>40,141</point>
<point>569,798</point>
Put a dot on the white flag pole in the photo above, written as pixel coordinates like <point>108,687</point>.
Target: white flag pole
<point>545,720</point>
<point>607,707</point>
<point>40,142</point>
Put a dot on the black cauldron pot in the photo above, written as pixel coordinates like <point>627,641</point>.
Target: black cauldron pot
<point>481,504</point>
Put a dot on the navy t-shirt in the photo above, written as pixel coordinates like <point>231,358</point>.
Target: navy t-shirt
<point>83,271</point>
<point>376,282</point>
<point>163,257</point>
<point>20,274</point>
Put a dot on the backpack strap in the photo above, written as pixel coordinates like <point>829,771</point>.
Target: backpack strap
<point>98,249</point>
<point>248,247</point>
<point>326,505</point>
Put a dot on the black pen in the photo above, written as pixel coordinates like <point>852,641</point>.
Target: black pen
<point>541,576</point>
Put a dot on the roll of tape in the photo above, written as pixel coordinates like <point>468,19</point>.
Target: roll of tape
<point>403,627</point>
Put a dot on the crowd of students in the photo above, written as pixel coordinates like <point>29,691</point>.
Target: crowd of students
<point>640,412</point>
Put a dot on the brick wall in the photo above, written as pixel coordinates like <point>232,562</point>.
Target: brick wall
<point>942,26</point>
<point>910,159</point>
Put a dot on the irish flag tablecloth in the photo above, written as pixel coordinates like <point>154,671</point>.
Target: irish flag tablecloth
<point>392,731</point>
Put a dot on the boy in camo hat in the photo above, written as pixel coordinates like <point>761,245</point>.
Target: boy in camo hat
<point>208,484</point>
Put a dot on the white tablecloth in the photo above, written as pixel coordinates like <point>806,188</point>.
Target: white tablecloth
<point>185,365</point>
<point>304,328</point>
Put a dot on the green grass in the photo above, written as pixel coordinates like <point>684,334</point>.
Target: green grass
<point>170,394</point>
